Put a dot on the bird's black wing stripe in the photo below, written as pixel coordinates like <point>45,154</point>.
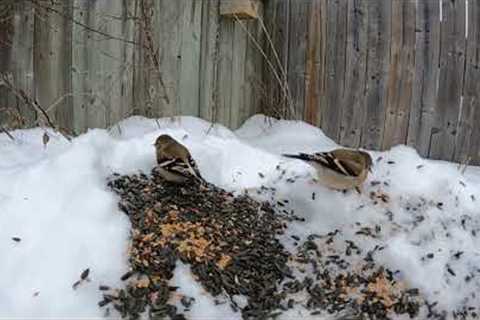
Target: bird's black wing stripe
<point>333,163</point>
<point>194,166</point>
<point>346,168</point>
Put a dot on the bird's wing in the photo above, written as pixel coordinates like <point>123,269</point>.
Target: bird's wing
<point>176,166</point>
<point>193,166</point>
<point>327,160</point>
<point>330,161</point>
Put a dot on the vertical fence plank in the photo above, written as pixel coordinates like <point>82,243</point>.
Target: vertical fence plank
<point>168,16</point>
<point>227,31</point>
<point>254,92</point>
<point>238,72</point>
<point>16,51</point>
<point>101,65</point>
<point>378,44</point>
<point>52,58</point>
<point>188,83</point>
<point>400,77</point>
<point>422,114</point>
<point>452,61</point>
<point>297,41</point>
<point>468,135</point>
<point>275,99</point>
<point>335,69</point>
<point>208,60</point>
<point>128,20</point>
<point>354,113</point>
<point>315,69</point>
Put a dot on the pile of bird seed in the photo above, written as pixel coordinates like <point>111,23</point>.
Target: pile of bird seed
<point>341,277</point>
<point>230,243</point>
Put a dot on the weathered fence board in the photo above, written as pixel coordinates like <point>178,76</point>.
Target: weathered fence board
<point>276,96</point>
<point>208,99</point>
<point>52,60</point>
<point>254,91</point>
<point>371,74</point>
<point>452,62</point>
<point>17,30</point>
<point>98,61</point>
<point>468,134</point>
<point>297,39</point>
<point>188,85</point>
<point>353,103</point>
<point>335,77</point>
<point>400,74</point>
<point>378,44</point>
<point>393,72</point>
<point>427,47</point>
<point>315,73</point>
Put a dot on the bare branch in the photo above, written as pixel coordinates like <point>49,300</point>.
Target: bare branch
<point>7,133</point>
<point>86,27</point>
<point>22,95</point>
<point>152,53</point>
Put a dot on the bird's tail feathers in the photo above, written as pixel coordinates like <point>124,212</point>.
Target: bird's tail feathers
<point>300,156</point>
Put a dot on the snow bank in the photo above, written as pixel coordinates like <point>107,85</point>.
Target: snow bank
<point>55,200</point>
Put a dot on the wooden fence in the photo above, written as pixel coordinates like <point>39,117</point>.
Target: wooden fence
<point>90,63</point>
<point>378,73</point>
<point>370,73</point>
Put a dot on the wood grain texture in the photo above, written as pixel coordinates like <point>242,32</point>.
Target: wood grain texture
<point>17,52</point>
<point>354,111</point>
<point>208,101</point>
<point>452,62</point>
<point>188,85</point>
<point>225,65</point>
<point>378,62</point>
<point>315,69</point>
<point>52,58</point>
<point>277,22</point>
<point>399,88</point>
<point>237,83</point>
<point>254,90</point>
<point>468,132</point>
<point>335,69</point>
<point>370,73</point>
<point>427,46</point>
<point>297,42</point>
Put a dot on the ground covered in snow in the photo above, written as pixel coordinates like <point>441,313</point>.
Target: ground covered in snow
<point>58,218</point>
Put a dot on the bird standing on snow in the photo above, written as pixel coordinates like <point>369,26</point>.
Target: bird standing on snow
<point>339,169</point>
<point>175,164</point>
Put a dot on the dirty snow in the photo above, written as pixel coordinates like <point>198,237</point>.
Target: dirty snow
<point>55,200</point>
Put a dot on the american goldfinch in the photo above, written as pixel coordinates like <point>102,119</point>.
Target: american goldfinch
<point>175,164</point>
<point>340,169</point>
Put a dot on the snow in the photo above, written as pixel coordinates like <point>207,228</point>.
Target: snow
<point>55,199</point>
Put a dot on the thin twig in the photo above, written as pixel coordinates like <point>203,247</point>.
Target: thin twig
<point>86,27</point>
<point>22,95</point>
<point>272,67</point>
<point>152,53</point>
<point>281,67</point>
<point>7,133</point>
